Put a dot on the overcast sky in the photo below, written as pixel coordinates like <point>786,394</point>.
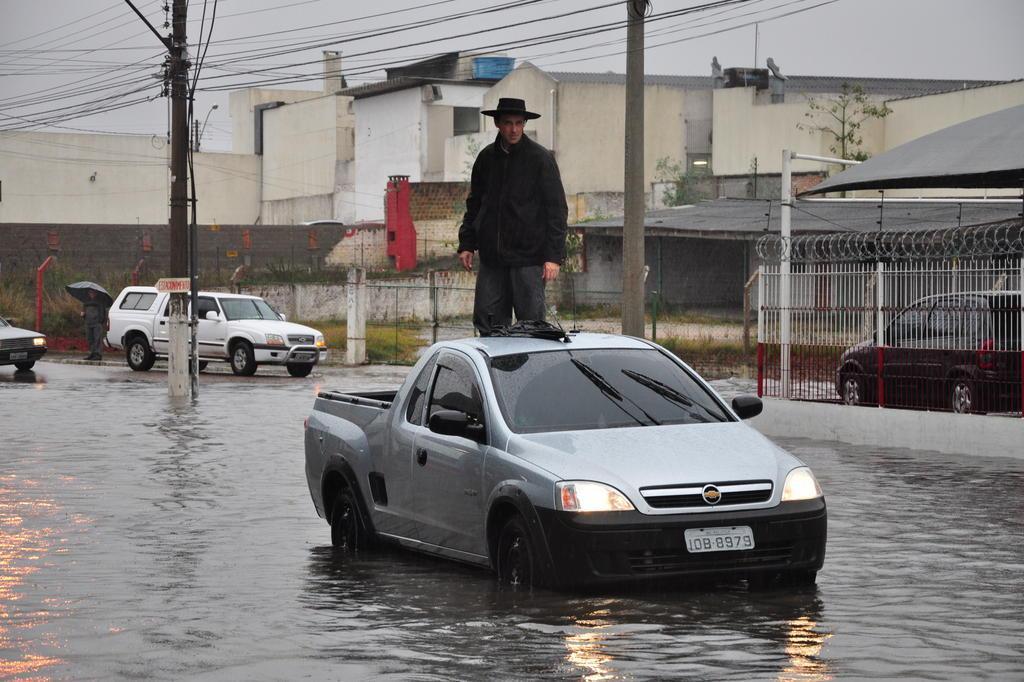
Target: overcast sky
<point>52,51</point>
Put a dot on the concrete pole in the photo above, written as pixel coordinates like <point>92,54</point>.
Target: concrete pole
<point>785,292</point>
<point>633,225</point>
<point>177,355</point>
<point>355,352</point>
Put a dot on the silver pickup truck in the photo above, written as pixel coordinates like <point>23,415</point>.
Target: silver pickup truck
<point>591,459</point>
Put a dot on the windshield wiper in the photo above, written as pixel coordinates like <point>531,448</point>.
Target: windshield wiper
<point>667,392</point>
<point>610,391</point>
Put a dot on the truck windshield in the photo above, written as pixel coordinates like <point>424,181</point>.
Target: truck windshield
<point>247,309</point>
<point>598,389</point>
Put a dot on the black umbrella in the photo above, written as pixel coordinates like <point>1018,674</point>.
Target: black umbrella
<point>80,290</point>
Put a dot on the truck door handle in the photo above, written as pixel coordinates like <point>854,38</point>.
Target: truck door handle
<point>421,457</point>
<point>162,323</point>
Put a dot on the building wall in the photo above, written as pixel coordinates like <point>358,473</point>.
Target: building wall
<point>104,251</point>
<point>95,178</point>
<point>301,143</point>
<point>694,273</point>
<point>241,105</point>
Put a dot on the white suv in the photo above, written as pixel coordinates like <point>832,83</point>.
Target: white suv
<point>242,330</point>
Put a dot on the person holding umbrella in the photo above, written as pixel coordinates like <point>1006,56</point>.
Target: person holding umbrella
<point>95,304</point>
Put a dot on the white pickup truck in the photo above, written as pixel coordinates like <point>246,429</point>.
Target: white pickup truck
<point>242,330</point>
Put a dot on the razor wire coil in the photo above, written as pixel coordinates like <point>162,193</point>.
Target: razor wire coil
<point>975,241</point>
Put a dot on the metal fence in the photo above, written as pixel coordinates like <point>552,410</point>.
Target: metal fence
<point>930,320</point>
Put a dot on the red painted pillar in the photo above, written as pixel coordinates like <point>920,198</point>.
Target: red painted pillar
<point>39,291</point>
<point>398,222</point>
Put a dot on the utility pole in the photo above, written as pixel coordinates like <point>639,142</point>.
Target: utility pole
<point>177,356</point>
<point>177,74</point>
<point>633,224</point>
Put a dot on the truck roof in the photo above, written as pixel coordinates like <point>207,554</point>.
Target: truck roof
<point>496,346</point>
<point>222,294</point>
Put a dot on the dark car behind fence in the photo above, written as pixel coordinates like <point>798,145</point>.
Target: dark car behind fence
<point>929,320</point>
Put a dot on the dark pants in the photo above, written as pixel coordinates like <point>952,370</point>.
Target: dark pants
<point>500,291</point>
<point>94,335</point>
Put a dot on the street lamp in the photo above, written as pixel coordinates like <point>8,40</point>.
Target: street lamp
<point>199,138</point>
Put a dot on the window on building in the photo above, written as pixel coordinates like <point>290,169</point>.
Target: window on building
<point>467,120</point>
<point>699,163</point>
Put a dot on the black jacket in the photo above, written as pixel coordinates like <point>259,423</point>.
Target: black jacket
<point>516,211</point>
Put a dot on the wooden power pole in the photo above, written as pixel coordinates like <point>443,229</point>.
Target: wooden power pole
<point>633,225</point>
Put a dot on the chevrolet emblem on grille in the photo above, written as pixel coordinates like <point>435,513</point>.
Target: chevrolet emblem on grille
<point>711,494</point>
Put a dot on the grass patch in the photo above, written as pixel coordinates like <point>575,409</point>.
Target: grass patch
<point>709,353</point>
<point>384,344</point>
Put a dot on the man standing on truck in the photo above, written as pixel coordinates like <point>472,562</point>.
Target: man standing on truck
<point>516,218</point>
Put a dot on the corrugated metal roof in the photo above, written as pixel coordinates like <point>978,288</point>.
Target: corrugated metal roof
<point>881,86</point>
<point>731,218</point>
<point>405,82</point>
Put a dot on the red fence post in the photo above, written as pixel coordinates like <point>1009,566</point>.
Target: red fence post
<point>39,291</point>
<point>135,272</point>
<point>881,383</point>
<point>760,370</point>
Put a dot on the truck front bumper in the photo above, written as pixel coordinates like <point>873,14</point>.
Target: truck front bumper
<point>299,355</point>
<point>630,546</point>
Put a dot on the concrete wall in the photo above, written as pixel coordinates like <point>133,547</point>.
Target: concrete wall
<point>241,105</point>
<point>460,153</point>
<point>101,251</point>
<point>747,125</point>
<point>301,144</point>
<point>86,178</point>
<point>694,273</point>
<point>394,137</point>
<point>941,431</point>
<point>407,298</point>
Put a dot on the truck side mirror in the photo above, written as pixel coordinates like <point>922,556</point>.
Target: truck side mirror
<point>747,406</point>
<point>211,315</point>
<point>455,423</point>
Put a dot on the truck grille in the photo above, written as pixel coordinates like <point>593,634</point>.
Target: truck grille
<point>300,339</point>
<point>16,344</point>
<point>689,495</point>
<point>672,561</point>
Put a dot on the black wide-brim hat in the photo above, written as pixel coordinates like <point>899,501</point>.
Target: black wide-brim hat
<point>511,105</point>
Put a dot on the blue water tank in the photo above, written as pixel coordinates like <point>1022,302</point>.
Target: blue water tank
<point>494,68</point>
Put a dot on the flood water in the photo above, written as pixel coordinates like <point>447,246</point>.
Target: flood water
<point>139,539</point>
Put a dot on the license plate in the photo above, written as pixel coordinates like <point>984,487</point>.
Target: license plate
<point>23,355</point>
<point>303,357</point>
<point>724,539</point>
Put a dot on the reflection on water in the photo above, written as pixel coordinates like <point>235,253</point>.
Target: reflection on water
<point>588,650</point>
<point>803,646</point>
<point>26,539</point>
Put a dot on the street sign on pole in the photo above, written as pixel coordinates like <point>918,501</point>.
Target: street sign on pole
<point>173,285</point>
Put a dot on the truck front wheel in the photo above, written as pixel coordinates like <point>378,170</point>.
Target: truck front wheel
<point>139,355</point>
<point>243,359</point>
<point>519,561</point>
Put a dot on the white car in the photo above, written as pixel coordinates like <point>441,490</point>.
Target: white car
<point>20,347</point>
<point>242,330</point>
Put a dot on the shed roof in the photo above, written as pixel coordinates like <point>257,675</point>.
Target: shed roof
<point>987,151</point>
<point>896,87</point>
<point>747,218</point>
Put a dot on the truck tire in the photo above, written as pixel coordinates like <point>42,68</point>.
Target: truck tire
<point>24,366</point>
<point>139,355</point>
<point>299,369</point>
<point>519,559</point>
<point>348,533</point>
<point>243,359</point>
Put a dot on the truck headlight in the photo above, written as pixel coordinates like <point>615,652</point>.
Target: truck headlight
<point>587,496</point>
<point>275,340</point>
<point>39,341</point>
<point>320,343</point>
<point>800,485</point>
